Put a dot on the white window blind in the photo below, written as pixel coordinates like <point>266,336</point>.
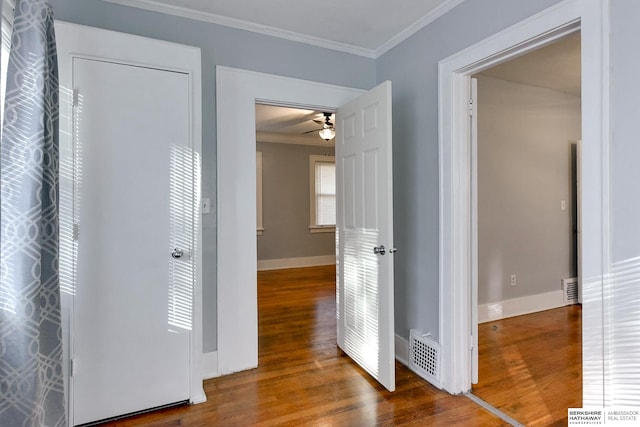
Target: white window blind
<point>323,192</point>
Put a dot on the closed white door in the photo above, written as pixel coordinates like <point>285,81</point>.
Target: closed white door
<point>364,233</point>
<point>132,303</point>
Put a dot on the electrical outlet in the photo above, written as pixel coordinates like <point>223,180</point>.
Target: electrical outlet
<point>513,280</point>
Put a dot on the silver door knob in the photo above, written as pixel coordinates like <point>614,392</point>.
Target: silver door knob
<point>379,250</point>
<point>177,253</point>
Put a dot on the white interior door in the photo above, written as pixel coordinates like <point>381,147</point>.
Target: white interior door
<point>132,303</point>
<point>364,225</point>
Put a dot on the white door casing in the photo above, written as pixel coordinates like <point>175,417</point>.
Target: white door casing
<point>473,301</point>
<point>237,92</point>
<point>85,45</point>
<point>591,17</point>
<point>364,212</point>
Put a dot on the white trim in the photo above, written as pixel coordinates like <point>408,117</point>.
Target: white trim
<point>209,365</point>
<point>267,30</point>
<point>237,92</point>
<point>80,41</point>
<point>321,229</point>
<point>301,262</point>
<point>402,350</point>
<point>520,306</point>
<point>245,25</point>
<point>427,19</point>
<point>288,138</point>
<point>592,17</point>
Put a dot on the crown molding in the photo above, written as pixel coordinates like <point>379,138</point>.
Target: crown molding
<point>289,138</point>
<point>226,21</point>
<point>416,26</point>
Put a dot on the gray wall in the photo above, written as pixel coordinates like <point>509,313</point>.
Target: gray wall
<point>221,46</point>
<point>623,332</point>
<point>524,171</point>
<point>412,66</point>
<point>285,203</point>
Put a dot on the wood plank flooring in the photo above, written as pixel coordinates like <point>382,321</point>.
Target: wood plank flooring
<point>303,379</point>
<point>530,367</point>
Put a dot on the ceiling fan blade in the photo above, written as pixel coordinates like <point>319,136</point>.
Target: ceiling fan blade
<point>310,131</point>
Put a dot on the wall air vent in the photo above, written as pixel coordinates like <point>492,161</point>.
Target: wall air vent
<point>570,290</point>
<point>424,356</point>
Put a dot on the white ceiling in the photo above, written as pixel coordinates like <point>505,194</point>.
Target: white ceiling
<point>555,66</point>
<point>271,118</point>
<point>289,125</point>
<point>363,27</point>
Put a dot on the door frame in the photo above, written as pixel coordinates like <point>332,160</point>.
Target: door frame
<point>237,92</point>
<point>456,251</point>
<point>79,41</point>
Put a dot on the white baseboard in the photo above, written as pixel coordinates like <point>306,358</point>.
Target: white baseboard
<point>519,306</point>
<point>311,261</point>
<point>210,365</point>
<point>402,350</point>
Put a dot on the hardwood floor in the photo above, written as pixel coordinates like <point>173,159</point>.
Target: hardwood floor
<point>304,379</point>
<point>530,367</point>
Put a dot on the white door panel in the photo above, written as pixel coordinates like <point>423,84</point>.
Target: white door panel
<point>132,307</point>
<point>365,221</point>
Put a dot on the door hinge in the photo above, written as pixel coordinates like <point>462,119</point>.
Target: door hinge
<point>471,347</point>
<point>471,107</point>
<point>75,97</point>
<point>71,368</point>
<point>76,232</point>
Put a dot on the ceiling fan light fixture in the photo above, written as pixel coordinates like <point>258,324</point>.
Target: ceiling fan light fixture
<point>327,134</point>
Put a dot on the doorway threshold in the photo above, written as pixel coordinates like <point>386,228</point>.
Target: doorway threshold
<point>495,411</point>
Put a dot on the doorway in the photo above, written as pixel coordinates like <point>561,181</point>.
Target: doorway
<point>366,116</point>
<point>238,91</point>
<point>528,112</point>
<point>455,182</point>
<point>295,227</point>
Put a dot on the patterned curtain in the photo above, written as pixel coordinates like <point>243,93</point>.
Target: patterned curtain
<point>31,379</point>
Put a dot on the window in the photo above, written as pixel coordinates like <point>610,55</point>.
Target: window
<point>7,17</point>
<point>259,226</point>
<point>323,193</point>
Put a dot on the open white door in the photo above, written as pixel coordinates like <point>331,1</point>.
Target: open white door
<point>364,233</point>
<point>473,138</point>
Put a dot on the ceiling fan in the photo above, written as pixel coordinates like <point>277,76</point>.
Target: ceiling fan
<point>327,131</point>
